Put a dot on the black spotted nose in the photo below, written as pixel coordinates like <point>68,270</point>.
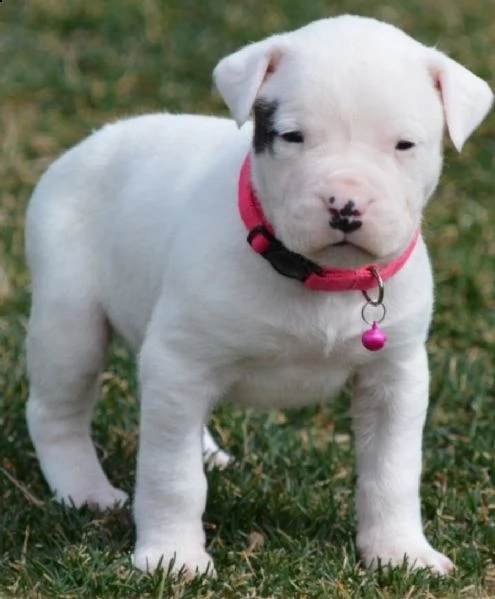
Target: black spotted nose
<point>346,218</point>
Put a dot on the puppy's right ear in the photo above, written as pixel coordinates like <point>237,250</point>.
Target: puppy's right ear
<point>239,76</point>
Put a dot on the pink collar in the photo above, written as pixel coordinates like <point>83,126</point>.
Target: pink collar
<point>263,241</point>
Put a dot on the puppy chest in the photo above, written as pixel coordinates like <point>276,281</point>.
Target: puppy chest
<point>291,383</point>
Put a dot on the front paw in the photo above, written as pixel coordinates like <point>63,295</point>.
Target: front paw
<point>103,497</point>
<point>188,562</point>
<point>417,553</point>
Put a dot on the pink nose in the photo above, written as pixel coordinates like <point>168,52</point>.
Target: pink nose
<point>344,213</point>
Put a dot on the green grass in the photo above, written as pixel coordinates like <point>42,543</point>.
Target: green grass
<point>66,67</point>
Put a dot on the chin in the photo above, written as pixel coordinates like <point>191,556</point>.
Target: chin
<point>343,254</point>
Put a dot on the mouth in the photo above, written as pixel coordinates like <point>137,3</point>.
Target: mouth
<point>340,243</point>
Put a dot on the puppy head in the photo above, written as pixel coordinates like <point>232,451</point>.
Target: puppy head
<point>349,115</point>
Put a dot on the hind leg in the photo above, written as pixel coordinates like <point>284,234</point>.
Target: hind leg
<point>213,456</point>
<point>65,349</point>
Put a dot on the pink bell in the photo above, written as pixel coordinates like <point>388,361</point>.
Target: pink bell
<point>374,339</point>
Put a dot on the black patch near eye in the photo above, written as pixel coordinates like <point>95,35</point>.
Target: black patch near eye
<point>404,145</point>
<point>295,137</point>
<point>264,125</point>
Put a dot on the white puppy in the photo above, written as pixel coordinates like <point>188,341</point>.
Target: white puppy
<point>138,230</point>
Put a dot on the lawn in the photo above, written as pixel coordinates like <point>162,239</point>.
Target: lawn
<point>280,521</point>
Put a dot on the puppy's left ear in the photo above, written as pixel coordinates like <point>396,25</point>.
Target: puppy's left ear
<point>466,98</point>
<point>239,76</point>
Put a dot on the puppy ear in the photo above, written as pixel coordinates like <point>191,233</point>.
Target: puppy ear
<point>239,76</point>
<point>466,98</point>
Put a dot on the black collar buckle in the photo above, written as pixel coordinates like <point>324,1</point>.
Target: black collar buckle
<point>284,261</point>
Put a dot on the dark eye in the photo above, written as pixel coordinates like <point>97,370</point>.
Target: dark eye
<point>403,144</point>
<point>294,137</point>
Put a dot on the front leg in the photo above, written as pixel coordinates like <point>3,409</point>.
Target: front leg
<point>389,409</point>
<point>171,486</point>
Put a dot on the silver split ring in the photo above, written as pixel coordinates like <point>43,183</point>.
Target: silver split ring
<point>377,320</point>
<point>381,291</point>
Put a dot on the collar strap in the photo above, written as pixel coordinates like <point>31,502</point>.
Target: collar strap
<point>262,239</point>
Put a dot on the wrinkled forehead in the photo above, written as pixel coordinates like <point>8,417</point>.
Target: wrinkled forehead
<point>373,73</point>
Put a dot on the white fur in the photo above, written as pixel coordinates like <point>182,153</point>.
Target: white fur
<point>137,229</point>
